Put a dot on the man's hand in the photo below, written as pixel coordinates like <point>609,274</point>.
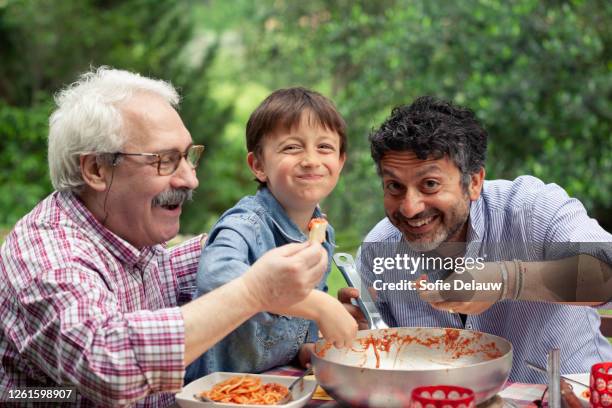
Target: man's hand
<point>463,297</point>
<point>335,322</point>
<point>304,354</point>
<point>285,275</point>
<point>468,308</point>
<point>277,281</point>
<point>344,296</point>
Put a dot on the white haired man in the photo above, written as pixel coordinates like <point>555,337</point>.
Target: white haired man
<point>90,299</point>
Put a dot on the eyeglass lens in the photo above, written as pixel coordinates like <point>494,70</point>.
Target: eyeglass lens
<point>169,162</point>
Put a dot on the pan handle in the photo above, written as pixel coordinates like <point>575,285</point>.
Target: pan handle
<point>346,266</point>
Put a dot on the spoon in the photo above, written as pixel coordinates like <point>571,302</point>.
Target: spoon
<point>300,379</point>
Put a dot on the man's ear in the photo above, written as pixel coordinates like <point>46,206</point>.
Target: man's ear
<point>476,182</point>
<point>256,166</point>
<point>94,172</point>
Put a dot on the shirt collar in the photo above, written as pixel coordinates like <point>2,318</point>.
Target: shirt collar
<point>476,225</point>
<point>76,210</point>
<point>279,216</point>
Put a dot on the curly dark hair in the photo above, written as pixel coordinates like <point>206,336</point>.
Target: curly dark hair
<point>431,127</point>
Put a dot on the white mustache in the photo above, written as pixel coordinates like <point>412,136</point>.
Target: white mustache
<point>172,197</point>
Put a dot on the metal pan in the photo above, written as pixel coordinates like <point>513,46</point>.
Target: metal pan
<point>384,365</point>
<point>409,357</point>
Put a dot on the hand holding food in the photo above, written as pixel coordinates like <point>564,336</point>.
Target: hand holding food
<point>285,275</point>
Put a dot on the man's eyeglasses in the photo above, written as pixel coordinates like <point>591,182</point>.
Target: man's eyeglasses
<point>167,162</point>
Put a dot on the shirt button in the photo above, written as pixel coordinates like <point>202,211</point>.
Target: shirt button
<point>468,326</point>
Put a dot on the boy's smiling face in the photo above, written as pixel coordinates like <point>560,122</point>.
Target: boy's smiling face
<point>301,165</point>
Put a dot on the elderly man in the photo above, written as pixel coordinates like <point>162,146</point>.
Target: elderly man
<point>430,156</point>
<point>90,299</point>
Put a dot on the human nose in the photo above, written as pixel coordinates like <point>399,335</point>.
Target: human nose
<point>185,175</point>
<point>412,204</point>
<point>310,159</point>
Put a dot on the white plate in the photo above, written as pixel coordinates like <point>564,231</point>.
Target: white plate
<point>579,389</point>
<point>186,398</point>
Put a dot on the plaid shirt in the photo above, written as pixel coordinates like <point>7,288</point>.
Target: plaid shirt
<point>82,307</point>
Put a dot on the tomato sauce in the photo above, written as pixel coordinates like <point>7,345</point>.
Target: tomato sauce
<point>452,342</point>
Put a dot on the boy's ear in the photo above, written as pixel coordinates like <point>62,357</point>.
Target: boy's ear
<point>93,172</point>
<point>256,166</point>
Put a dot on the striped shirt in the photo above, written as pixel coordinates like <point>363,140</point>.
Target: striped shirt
<point>526,214</point>
<point>82,307</point>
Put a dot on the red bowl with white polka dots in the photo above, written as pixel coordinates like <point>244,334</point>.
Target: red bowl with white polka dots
<point>601,385</point>
<point>442,396</point>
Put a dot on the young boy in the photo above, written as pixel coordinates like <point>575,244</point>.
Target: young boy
<point>296,149</point>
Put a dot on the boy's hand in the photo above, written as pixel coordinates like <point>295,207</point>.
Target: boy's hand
<point>285,275</point>
<point>336,323</point>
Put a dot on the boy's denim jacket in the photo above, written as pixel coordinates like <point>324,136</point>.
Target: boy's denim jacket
<point>244,233</point>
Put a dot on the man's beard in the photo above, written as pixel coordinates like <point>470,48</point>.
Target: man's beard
<point>458,215</point>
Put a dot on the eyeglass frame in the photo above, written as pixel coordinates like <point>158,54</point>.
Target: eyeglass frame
<point>177,163</point>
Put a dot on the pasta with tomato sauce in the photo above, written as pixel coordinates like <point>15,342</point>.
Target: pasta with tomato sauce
<point>246,390</point>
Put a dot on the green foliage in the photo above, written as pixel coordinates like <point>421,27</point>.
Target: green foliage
<point>538,74</point>
<point>23,176</point>
<point>45,44</point>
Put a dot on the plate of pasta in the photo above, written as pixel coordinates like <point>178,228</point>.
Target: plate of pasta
<point>243,390</point>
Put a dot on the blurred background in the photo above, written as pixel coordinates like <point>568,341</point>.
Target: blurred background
<point>537,73</point>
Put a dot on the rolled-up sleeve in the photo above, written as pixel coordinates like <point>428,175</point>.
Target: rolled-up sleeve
<point>562,223</point>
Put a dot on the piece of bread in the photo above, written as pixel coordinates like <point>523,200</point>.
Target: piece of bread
<point>317,228</point>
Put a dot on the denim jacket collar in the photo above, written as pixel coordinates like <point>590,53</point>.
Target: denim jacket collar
<point>282,221</point>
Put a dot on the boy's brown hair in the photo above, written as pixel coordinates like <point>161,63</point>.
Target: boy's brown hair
<point>282,110</point>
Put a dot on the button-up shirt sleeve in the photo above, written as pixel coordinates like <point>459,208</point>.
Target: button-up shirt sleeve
<point>73,331</point>
<point>183,262</point>
<point>561,218</point>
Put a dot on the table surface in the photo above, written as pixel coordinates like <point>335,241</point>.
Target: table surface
<point>517,394</point>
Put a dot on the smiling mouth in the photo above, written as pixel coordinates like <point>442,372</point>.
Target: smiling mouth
<point>310,176</point>
<point>420,222</point>
<point>167,206</point>
<point>419,226</point>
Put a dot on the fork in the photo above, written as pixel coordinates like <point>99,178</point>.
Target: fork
<point>543,370</point>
